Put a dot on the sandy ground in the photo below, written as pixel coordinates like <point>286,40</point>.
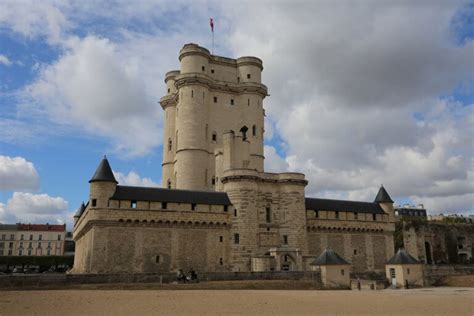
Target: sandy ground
<point>427,301</point>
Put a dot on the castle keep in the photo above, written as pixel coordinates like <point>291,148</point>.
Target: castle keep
<point>218,210</point>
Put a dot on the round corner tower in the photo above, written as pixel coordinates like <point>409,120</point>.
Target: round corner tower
<point>207,97</point>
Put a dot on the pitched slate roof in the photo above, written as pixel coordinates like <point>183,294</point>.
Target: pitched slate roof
<point>343,206</point>
<point>329,257</point>
<point>382,196</point>
<point>8,227</point>
<point>403,257</point>
<point>170,195</point>
<point>103,172</point>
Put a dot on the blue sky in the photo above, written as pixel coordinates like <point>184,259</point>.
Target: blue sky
<point>361,94</point>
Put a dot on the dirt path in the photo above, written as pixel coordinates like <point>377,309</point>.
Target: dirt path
<point>430,301</point>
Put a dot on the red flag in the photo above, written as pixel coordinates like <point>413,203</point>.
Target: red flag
<point>211,23</point>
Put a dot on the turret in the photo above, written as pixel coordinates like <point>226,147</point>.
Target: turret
<point>102,185</point>
<point>385,202</point>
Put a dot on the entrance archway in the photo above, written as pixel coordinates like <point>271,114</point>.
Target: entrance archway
<point>287,263</point>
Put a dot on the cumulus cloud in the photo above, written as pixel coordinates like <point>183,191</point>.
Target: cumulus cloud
<point>35,208</point>
<point>273,162</point>
<point>356,94</point>
<point>4,60</point>
<point>134,179</point>
<point>16,173</point>
<point>94,88</point>
<point>32,18</point>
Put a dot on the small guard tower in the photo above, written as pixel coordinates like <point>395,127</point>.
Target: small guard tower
<point>404,271</point>
<point>335,271</point>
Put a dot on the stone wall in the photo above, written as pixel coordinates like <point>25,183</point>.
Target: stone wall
<point>71,279</point>
<point>366,251</point>
<point>129,248</point>
<point>444,242</point>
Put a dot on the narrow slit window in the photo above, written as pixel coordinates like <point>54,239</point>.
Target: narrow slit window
<point>169,90</point>
<point>164,205</point>
<point>94,202</point>
<point>203,68</point>
<point>226,208</point>
<point>221,238</point>
<point>248,102</point>
<point>254,130</point>
<point>170,144</point>
<point>337,215</point>
<point>268,214</point>
<point>231,101</point>
<point>213,180</point>
<point>192,93</point>
<point>214,137</point>
<point>157,259</point>
<point>374,217</point>
<point>248,76</point>
<point>235,212</point>
<point>215,99</point>
<point>193,206</point>
<point>316,214</point>
<point>285,239</point>
<point>236,239</point>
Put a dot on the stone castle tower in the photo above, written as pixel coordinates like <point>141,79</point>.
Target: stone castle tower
<point>218,210</point>
<point>209,96</point>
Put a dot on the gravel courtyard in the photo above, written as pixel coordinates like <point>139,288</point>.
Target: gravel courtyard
<point>187,301</point>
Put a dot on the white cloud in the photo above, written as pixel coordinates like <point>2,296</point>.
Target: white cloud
<point>4,60</point>
<point>16,173</point>
<point>134,179</point>
<point>32,18</point>
<point>355,93</point>
<point>94,87</point>
<point>35,208</point>
<point>273,162</point>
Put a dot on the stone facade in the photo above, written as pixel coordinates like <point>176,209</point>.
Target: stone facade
<point>220,212</point>
<point>438,243</point>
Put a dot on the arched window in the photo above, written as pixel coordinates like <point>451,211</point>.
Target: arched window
<point>168,184</point>
<point>170,144</point>
<point>244,130</point>
<point>254,130</point>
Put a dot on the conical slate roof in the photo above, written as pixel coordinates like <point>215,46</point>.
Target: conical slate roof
<point>403,257</point>
<point>103,172</point>
<point>329,257</point>
<point>382,196</point>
